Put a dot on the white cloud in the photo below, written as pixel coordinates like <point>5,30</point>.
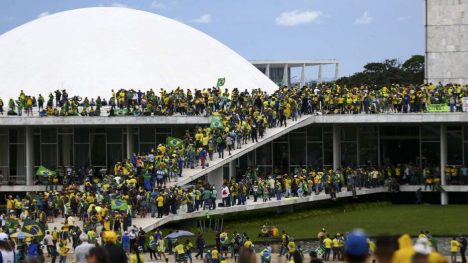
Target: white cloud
<point>158,4</point>
<point>295,17</point>
<point>365,19</point>
<point>119,5</point>
<point>45,13</point>
<point>203,19</point>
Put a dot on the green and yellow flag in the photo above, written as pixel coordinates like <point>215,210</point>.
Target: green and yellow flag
<point>174,142</point>
<point>34,228</point>
<point>216,123</point>
<point>11,224</point>
<point>119,204</point>
<point>220,82</point>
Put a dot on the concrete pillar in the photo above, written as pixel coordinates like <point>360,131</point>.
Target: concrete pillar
<point>130,142</point>
<point>232,169</point>
<point>29,156</point>
<point>336,147</point>
<point>267,70</point>
<point>303,75</point>
<point>337,71</point>
<point>215,178</point>
<point>319,77</point>
<point>285,75</point>
<point>443,162</point>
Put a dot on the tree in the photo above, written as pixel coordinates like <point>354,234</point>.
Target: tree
<point>388,72</point>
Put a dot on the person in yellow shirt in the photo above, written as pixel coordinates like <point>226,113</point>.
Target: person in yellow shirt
<point>336,248</point>
<point>327,243</point>
<point>214,255</point>
<point>248,243</point>
<point>160,205</point>
<point>63,251</point>
<point>454,246</point>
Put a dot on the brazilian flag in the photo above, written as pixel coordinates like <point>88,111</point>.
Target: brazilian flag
<point>119,204</point>
<point>34,228</point>
<point>216,123</point>
<point>174,142</point>
<point>220,82</point>
<point>11,224</point>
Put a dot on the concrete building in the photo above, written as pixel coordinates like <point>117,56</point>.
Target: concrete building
<point>279,71</point>
<point>447,41</point>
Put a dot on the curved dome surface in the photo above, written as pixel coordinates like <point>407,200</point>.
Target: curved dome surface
<point>90,51</point>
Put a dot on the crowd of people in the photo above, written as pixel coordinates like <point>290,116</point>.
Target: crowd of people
<point>321,98</point>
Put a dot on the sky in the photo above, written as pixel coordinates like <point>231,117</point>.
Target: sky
<point>353,31</point>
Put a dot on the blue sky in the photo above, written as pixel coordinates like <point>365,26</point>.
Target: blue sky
<point>353,31</point>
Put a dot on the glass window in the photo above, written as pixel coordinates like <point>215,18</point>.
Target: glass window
<point>114,135</point>
<point>82,135</point>
<point>348,133</point>
<point>264,170</point>
<point>430,154</point>
<point>454,145</point>
<point>246,160</point>
<point>3,150</point>
<point>283,138</point>
<point>17,159</point>
<point>48,135</point>
<point>430,133</point>
<point>65,130</point>
<point>49,155</point>
<point>349,154</point>
<point>147,135</point>
<point>412,131</point>
<point>280,156</point>
<point>314,133</point>
<point>314,155</point>
<point>98,150</point>
<point>297,149</point>
<point>161,138</point>
<point>81,155</point>
<point>164,130</point>
<point>264,154</point>
<point>65,150</point>
<point>146,147</point>
<point>114,153</point>
<point>16,135</point>
<point>368,146</point>
<point>37,149</point>
<point>328,148</point>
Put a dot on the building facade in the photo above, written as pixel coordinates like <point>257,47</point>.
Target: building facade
<point>447,41</point>
<point>325,142</point>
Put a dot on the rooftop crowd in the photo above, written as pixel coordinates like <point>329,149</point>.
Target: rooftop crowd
<point>322,98</point>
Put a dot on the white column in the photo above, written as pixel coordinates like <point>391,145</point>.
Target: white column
<point>216,178</point>
<point>319,77</point>
<point>130,143</point>
<point>336,147</point>
<point>267,70</point>
<point>232,169</point>
<point>285,75</point>
<point>443,162</point>
<point>303,75</point>
<point>337,71</point>
<point>29,156</point>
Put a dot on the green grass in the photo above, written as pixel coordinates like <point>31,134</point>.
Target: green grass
<point>375,218</point>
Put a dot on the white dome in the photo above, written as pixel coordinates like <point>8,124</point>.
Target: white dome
<point>93,50</point>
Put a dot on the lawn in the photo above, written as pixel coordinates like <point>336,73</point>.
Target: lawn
<point>375,218</point>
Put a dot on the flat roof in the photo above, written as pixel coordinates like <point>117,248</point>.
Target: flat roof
<point>390,118</point>
<point>294,63</point>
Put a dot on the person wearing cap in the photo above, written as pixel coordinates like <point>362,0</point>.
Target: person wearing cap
<point>7,253</point>
<point>82,251</point>
<point>356,247</point>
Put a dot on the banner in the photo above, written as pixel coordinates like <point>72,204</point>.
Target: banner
<point>221,82</point>
<point>174,142</point>
<point>119,204</point>
<point>34,228</point>
<point>216,122</point>
<point>465,104</point>
<point>438,108</point>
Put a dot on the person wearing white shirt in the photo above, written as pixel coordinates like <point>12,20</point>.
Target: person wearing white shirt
<point>82,251</point>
